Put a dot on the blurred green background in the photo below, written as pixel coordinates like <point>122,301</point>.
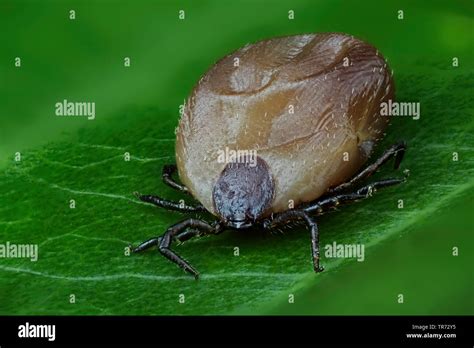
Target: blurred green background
<point>137,110</point>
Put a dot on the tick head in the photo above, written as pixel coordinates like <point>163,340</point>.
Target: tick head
<point>243,192</point>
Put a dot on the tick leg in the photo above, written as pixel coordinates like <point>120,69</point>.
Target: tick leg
<point>202,228</point>
<point>167,175</point>
<point>396,150</point>
<point>145,245</point>
<point>325,204</point>
<point>170,205</point>
<point>181,238</point>
<point>370,188</point>
<point>291,215</point>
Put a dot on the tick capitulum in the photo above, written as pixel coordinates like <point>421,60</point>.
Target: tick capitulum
<point>308,105</point>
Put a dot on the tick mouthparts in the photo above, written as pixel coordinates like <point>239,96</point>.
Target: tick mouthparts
<point>239,223</point>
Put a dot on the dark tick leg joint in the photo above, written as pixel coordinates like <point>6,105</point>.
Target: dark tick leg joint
<point>167,175</point>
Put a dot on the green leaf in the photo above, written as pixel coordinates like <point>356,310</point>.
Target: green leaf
<point>81,250</point>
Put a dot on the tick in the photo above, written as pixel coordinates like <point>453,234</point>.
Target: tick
<point>278,132</point>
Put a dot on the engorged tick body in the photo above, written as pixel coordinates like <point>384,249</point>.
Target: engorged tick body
<point>308,107</point>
